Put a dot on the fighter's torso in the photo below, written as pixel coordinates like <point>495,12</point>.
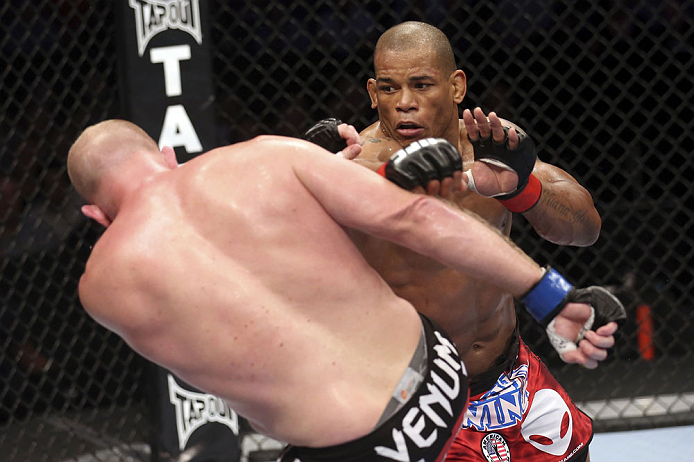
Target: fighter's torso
<point>476,314</point>
<point>233,277</point>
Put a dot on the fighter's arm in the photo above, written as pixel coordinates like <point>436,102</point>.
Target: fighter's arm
<point>343,140</point>
<point>565,213</point>
<point>555,204</point>
<point>374,152</point>
<point>356,198</point>
<point>464,242</point>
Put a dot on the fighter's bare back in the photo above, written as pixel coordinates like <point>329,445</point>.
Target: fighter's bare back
<point>221,243</point>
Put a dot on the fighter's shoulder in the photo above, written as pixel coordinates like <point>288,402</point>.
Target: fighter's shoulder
<point>263,149</point>
<point>371,131</point>
<point>117,248</point>
<point>276,145</point>
<point>376,145</point>
<point>119,272</point>
<point>273,144</point>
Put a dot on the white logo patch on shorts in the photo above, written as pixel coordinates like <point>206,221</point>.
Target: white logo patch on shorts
<point>548,425</point>
<point>495,448</point>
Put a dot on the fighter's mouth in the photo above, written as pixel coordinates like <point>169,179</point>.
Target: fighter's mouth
<point>408,125</point>
<point>409,129</point>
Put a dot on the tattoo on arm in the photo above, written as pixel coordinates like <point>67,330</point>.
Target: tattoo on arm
<point>551,201</point>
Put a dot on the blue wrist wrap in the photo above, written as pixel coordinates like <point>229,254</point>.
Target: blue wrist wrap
<point>547,294</point>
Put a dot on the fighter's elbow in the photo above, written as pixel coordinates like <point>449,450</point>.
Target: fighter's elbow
<point>588,229</point>
<point>421,210</point>
<point>577,234</point>
<point>421,221</point>
<point>591,236</point>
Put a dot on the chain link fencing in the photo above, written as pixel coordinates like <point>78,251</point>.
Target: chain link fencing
<point>605,88</point>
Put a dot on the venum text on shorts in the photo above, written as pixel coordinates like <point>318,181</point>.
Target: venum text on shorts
<point>419,429</point>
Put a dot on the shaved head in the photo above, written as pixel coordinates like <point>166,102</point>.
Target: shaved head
<point>101,146</point>
<point>418,36</point>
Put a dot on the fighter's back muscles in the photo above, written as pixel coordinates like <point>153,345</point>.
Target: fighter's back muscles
<point>275,285</point>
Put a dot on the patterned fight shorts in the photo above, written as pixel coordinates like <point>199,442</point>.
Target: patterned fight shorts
<point>525,416</point>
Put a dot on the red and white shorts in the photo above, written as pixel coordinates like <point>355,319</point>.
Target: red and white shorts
<point>525,416</point>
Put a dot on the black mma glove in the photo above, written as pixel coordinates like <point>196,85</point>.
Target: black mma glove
<point>551,294</point>
<point>521,159</point>
<point>422,161</point>
<point>324,133</point>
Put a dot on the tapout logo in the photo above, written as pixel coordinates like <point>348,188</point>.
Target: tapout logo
<point>155,16</point>
<point>196,409</point>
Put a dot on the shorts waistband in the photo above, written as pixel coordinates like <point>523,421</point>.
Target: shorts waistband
<point>409,382</point>
<point>437,407</point>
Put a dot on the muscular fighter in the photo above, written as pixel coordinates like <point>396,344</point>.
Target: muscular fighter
<point>235,272</point>
<point>416,90</point>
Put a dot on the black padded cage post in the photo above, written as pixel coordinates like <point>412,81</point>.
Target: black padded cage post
<point>166,89</point>
<point>605,88</point>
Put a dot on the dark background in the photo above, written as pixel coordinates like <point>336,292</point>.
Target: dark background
<point>606,89</point>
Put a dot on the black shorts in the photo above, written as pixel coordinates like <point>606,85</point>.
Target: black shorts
<point>424,428</point>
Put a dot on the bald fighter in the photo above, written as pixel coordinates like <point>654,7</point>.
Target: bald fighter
<point>416,91</point>
<point>234,271</point>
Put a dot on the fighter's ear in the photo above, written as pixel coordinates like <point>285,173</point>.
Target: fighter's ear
<point>371,88</point>
<point>458,80</point>
<point>169,156</point>
<point>96,214</point>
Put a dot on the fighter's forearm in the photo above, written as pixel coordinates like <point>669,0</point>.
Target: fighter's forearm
<point>463,241</point>
<point>565,214</point>
<point>355,198</point>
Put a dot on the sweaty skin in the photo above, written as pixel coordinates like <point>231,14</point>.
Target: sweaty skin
<point>415,99</point>
<point>235,272</point>
<point>478,315</point>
